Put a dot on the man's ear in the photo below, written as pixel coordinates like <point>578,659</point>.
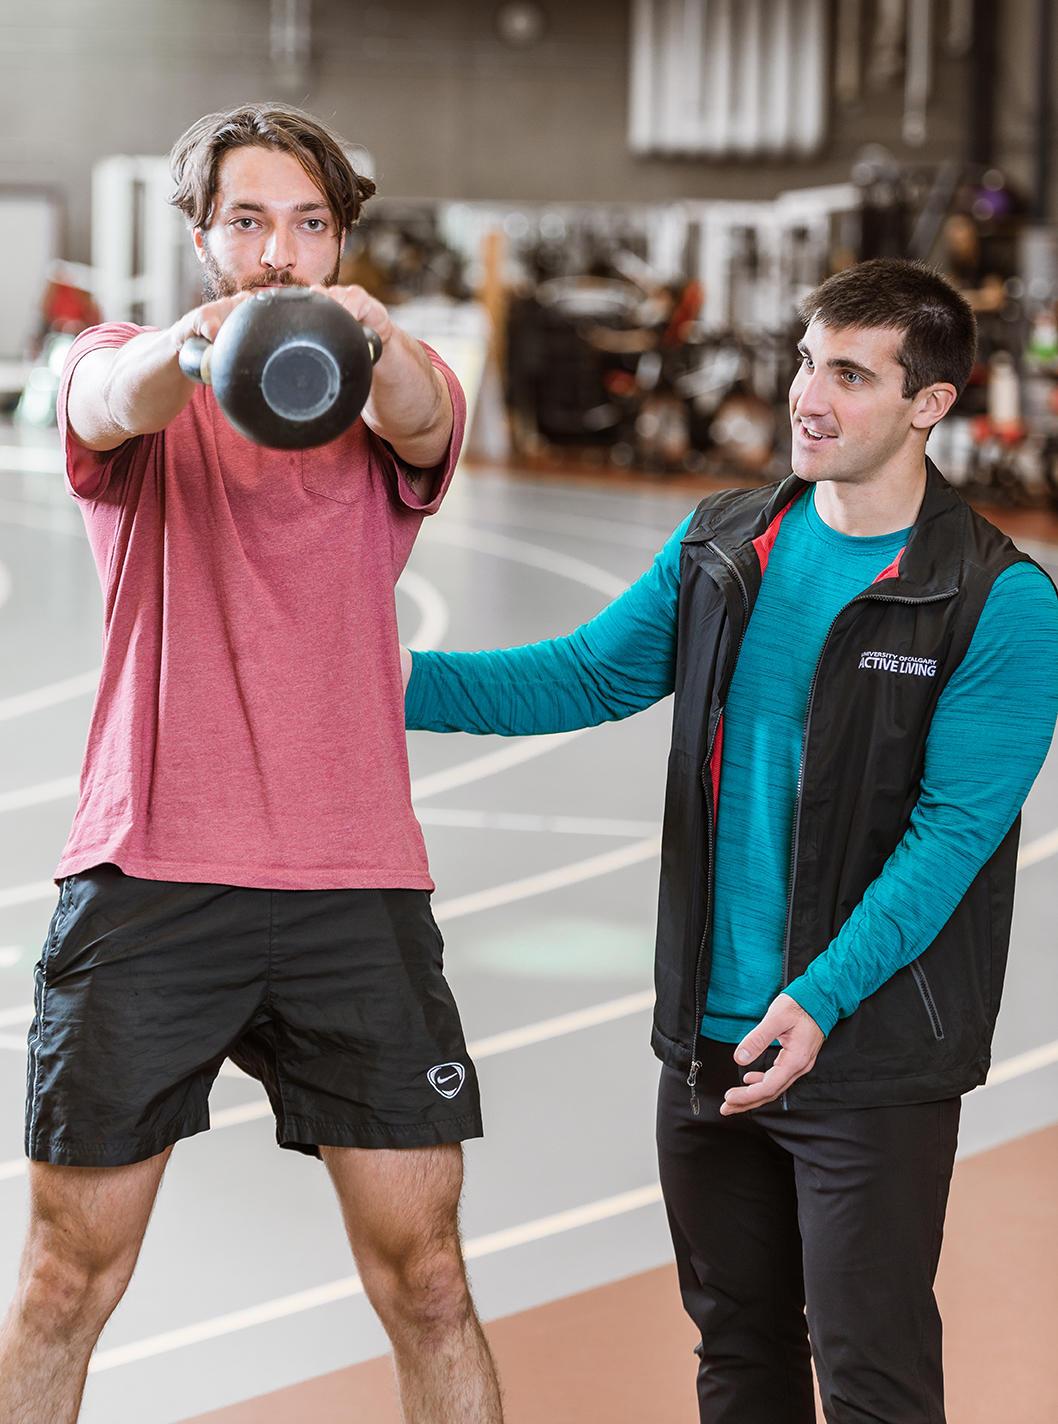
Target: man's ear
<point>199,239</point>
<point>933,403</point>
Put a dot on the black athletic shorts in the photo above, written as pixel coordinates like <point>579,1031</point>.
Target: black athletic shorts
<point>334,999</point>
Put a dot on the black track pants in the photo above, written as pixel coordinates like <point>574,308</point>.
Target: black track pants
<point>833,1215</point>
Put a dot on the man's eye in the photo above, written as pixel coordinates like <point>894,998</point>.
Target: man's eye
<point>852,378</point>
<point>245,224</point>
<point>315,224</point>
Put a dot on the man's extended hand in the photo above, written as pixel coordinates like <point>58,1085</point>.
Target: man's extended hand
<point>360,303</point>
<point>800,1039</point>
<point>409,405</point>
<point>205,320</point>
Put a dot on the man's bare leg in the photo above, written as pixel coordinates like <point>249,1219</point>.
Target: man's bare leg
<point>85,1230</point>
<point>401,1215</point>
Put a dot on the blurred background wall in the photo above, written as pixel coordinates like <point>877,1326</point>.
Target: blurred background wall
<point>448,107</point>
<point>609,207</point>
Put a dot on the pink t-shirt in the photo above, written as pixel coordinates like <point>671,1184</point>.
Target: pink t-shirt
<point>249,723</point>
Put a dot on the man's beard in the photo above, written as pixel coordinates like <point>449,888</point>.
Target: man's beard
<point>217,283</point>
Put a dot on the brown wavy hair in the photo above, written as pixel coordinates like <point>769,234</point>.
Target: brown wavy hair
<point>196,156</point>
<point>940,330</point>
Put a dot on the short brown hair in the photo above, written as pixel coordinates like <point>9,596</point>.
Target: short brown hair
<point>196,156</point>
<point>940,330</point>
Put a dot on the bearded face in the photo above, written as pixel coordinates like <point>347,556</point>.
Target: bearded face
<point>271,226</point>
<point>217,283</point>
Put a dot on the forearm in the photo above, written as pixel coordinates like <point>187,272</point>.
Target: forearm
<point>620,662</point>
<point>538,688</point>
<point>409,406</point>
<point>988,739</point>
<point>900,915</point>
<point>119,392</point>
<point>145,389</point>
<point>137,388</point>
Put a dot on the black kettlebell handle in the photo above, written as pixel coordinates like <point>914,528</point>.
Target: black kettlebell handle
<point>290,368</point>
<point>194,358</point>
<point>195,355</point>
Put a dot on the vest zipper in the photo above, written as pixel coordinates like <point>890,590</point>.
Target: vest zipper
<point>692,1076</point>
<point>860,597</point>
<point>926,993</point>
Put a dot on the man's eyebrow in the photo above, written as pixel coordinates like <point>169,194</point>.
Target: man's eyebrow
<point>248,205</point>
<point>841,363</point>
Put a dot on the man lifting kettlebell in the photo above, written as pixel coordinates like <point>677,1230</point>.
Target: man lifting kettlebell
<point>241,880</point>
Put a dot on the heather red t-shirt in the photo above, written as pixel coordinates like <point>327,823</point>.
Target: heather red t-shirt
<point>249,726</point>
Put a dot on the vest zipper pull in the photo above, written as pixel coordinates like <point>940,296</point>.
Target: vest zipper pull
<point>692,1078</point>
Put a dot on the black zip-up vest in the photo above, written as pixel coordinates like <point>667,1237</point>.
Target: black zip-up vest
<point>926,1033</point>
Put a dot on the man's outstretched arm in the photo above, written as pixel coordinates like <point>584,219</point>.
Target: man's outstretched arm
<point>409,405</point>
<point>620,662</point>
<point>137,388</point>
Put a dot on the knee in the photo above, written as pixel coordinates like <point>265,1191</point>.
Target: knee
<point>66,1291</point>
<point>425,1295</point>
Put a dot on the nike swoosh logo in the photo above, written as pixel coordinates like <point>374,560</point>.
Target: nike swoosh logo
<point>450,1079</point>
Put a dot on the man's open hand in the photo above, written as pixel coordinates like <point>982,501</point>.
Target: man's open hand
<point>800,1039</point>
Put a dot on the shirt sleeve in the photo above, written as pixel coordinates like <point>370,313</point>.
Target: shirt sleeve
<point>88,471</point>
<point>620,662</point>
<point>990,734</point>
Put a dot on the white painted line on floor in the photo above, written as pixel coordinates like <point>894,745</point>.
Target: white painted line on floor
<point>38,795</point>
<point>349,1286</point>
<point>512,754</point>
<point>19,1015</point>
<point>513,821</point>
<point>32,459</point>
<point>44,518</point>
<point>637,536</point>
<point>573,1022</point>
<point>433,611</point>
<point>26,894</point>
<point>547,880</point>
<point>1040,849</point>
<point>244,1112</point>
<point>49,696</point>
<point>1022,1063</point>
<point>534,555</point>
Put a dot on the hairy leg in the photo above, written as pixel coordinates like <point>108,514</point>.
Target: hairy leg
<point>401,1214</point>
<point>85,1230</point>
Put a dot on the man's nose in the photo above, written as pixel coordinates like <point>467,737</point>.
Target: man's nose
<point>807,392</point>
<point>280,250</point>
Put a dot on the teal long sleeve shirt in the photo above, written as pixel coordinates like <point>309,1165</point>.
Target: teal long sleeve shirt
<point>989,736</point>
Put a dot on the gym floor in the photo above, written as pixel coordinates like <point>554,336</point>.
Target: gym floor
<point>245,1308</point>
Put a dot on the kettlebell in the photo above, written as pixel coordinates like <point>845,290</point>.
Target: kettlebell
<point>290,368</point>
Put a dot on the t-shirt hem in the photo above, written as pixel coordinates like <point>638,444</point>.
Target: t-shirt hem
<point>351,877</point>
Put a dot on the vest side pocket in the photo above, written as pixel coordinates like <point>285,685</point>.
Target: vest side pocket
<point>926,993</point>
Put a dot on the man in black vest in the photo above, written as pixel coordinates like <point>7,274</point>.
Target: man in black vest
<point>866,683</point>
